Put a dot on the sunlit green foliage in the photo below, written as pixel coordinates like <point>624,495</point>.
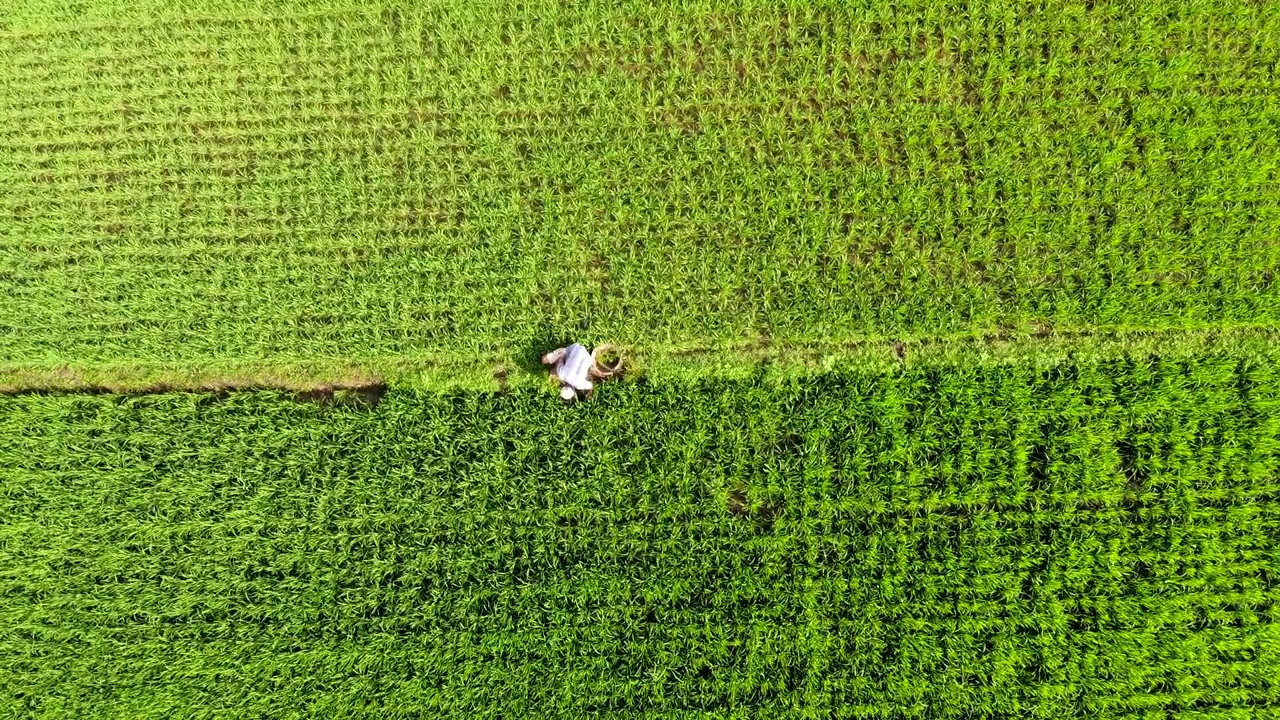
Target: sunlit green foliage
<point>231,180</point>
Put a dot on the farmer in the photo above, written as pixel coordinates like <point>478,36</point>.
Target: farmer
<point>575,368</point>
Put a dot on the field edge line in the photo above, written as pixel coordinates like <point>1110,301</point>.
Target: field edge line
<point>779,359</point>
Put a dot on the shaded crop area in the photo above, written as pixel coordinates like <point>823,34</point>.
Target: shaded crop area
<point>232,181</point>
<point>1077,540</point>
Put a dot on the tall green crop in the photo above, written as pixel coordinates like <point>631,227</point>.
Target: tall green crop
<point>1082,540</point>
<point>219,181</point>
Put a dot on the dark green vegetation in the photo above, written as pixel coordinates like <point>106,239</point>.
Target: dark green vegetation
<point>421,182</point>
<point>1082,540</point>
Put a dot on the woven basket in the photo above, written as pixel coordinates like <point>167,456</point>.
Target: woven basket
<point>601,371</point>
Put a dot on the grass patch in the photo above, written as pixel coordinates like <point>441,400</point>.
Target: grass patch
<point>1082,540</point>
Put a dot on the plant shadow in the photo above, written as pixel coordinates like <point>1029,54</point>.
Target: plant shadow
<point>545,339</point>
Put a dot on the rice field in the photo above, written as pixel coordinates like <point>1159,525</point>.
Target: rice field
<point>1083,540</point>
<point>442,184</point>
<point>951,333</point>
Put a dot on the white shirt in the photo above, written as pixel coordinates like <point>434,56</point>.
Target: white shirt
<point>574,367</point>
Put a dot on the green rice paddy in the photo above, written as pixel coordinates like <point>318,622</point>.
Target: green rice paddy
<point>951,332</point>
<point>1087,540</point>
<point>436,184</point>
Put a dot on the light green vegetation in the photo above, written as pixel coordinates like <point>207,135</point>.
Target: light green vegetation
<point>1084,540</point>
<point>192,185</point>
